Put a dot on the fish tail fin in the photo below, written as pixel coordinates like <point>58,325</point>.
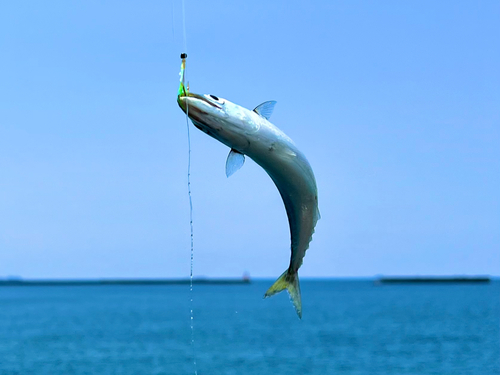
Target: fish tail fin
<point>290,282</point>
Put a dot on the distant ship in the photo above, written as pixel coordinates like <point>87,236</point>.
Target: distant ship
<point>431,279</point>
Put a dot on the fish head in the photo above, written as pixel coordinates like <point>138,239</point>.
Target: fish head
<point>206,111</point>
<point>221,119</point>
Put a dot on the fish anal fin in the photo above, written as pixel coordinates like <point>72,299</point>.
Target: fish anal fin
<point>235,161</point>
<point>290,282</point>
<point>265,109</point>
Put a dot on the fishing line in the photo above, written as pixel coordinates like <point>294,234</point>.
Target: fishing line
<point>184,26</point>
<point>192,237</point>
<point>183,72</point>
<point>173,28</point>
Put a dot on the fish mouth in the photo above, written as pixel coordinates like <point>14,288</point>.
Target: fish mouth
<point>183,103</point>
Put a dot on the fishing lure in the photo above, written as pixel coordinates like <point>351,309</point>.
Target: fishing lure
<point>183,90</point>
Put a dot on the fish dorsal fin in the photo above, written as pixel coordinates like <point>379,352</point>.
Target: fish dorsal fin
<point>235,161</point>
<point>265,109</point>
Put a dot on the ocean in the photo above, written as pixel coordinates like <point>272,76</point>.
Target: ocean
<point>348,327</point>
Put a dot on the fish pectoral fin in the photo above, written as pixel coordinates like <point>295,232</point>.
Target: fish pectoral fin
<point>265,109</point>
<point>235,161</point>
<point>290,282</point>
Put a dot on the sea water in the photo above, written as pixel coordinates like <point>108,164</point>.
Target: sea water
<point>348,327</point>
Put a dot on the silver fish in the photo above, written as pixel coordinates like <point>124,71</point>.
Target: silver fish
<point>250,133</point>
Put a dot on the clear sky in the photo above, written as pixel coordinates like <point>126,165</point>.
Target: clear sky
<point>395,104</point>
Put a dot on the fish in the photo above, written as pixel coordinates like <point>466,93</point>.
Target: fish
<point>249,133</point>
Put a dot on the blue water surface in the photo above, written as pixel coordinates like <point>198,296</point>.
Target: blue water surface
<point>348,327</point>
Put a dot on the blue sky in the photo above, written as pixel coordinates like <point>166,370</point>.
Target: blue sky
<point>395,104</point>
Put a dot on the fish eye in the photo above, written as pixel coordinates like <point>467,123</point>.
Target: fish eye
<point>215,98</point>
